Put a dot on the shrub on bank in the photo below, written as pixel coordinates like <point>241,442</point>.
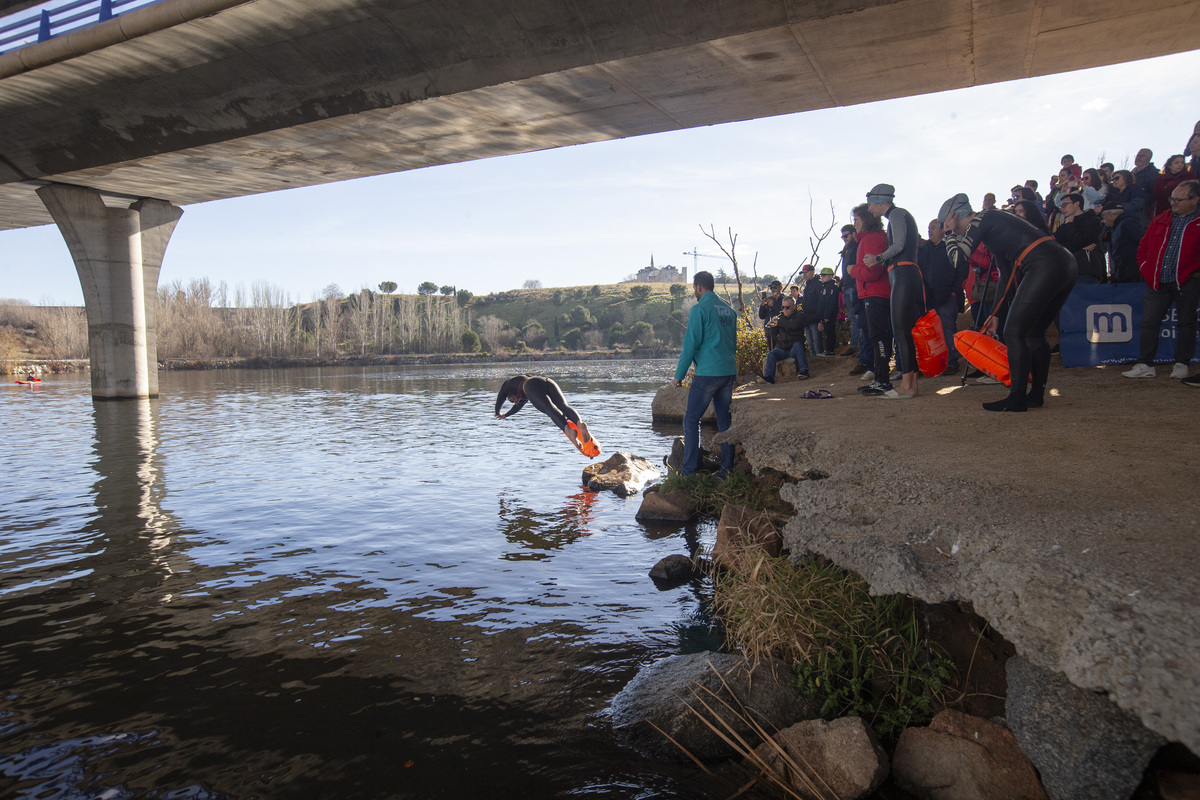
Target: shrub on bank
<point>856,654</point>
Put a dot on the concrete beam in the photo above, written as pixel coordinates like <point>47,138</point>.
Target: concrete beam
<point>235,98</point>
<point>118,253</point>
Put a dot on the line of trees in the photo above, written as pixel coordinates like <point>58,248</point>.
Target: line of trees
<point>198,321</point>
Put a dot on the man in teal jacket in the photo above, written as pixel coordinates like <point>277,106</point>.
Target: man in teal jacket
<point>711,343</point>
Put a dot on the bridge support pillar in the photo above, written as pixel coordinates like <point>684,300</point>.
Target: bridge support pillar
<point>118,253</point>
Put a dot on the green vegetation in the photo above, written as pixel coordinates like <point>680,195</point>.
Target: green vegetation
<point>711,494</point>
<point>858,655</point>
<point>751,346</point>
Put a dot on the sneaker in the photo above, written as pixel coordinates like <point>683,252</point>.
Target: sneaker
<point>875,389</point>
<point>950,370</point>
<point>1179,370</point>
<point>802,375</point>
<point>1139,370</point>
<point>858,369</point>
<point>1192,381</point>
<point>895,376</point>
<point>828,354</point>
<point>867,376</point>
<point>986,379</point>
<point>974,373</point>
<point>764,379</point>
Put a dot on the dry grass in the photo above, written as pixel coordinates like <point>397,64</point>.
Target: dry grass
<point>859,655</point>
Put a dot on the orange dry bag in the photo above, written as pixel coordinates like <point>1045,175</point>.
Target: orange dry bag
<point>983,353</point>
<point>588,448</point>
<point>930,341</point>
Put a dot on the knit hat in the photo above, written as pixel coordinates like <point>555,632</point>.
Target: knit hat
<point>959,204</point>
<point>881,193</point>
<point>826,270</point>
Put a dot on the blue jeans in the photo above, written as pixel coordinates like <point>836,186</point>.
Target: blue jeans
<point>813,334</point>
<point>796,351</point>
<point>706,389</point>
<point>856,312</point>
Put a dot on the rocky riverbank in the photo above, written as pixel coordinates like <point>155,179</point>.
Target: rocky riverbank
<point>1071,529</point>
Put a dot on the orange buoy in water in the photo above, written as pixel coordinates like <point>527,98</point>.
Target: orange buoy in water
<point>984,353</point>
<point>588,448</point>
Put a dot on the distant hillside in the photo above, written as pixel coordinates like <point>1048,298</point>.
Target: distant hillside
<point>604,315</point>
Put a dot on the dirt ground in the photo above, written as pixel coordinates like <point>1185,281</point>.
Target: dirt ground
<point>1073,528</point>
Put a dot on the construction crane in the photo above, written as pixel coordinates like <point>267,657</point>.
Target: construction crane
<point>696,256</point>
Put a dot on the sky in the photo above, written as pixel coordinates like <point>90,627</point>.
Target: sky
<point>596,213</point>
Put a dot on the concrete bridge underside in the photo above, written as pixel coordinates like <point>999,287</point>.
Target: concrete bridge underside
<point>195,100</point>
<point>106,131</point>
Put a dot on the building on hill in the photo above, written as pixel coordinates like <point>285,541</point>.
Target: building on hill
<point>667,274</point>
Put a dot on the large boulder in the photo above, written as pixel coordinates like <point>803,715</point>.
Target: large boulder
<point>670,404</point>
<point>1083,743</point>
<point>960,757</point>
<point>623,473</point>
<point>676,506</point>
<point>661,698</point>
<point>843,755</point>
<point>744,532</point>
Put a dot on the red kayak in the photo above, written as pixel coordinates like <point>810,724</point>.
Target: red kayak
<point>33,382</point>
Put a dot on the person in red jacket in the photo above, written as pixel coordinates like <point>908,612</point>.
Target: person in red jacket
<point>1169,260</point>
<point>875,291</point>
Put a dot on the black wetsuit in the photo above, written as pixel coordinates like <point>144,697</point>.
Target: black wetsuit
<point>908,291</point>
<point>1046,276</point>
<point>543,393</point>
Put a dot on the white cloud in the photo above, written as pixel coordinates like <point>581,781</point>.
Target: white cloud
<point>1096,104</point>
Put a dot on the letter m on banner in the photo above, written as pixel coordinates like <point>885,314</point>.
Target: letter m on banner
<point>1108,322</point>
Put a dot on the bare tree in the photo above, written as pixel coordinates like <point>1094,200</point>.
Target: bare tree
<point>62,331</point>
<point>815,238</point>
<point>731,254</point>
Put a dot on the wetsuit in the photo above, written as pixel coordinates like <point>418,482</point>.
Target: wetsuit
<point>908,291</point>
<point>543,393</point>
<point>1046,276</point>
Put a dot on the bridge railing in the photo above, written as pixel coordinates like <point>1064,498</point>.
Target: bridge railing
<point>50,20</point>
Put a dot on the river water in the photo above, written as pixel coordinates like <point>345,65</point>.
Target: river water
<point>329,583</point>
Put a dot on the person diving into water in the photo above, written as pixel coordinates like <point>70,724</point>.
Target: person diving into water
<point>547,398</point>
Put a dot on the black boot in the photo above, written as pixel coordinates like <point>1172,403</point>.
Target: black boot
<point>1016,401</point>
<point>1036,397</point>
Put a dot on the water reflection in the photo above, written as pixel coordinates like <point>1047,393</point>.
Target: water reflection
<point>304,585</point>
<point>137,537</point>
<point>539,534</point>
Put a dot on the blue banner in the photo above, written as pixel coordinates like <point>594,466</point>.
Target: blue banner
<point>1101,324</point>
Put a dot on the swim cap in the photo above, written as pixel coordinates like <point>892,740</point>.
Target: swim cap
<point>959,204</point>
<point>881,193</point>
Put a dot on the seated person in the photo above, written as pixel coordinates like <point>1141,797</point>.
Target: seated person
<point>789,341</point>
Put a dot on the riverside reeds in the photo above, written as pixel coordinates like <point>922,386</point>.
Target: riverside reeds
<point>711,494</point>
<point>858,655</point>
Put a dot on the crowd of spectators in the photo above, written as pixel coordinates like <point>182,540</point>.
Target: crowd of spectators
<point>1135,225</point>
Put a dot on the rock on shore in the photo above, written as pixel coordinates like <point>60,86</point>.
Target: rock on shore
<point>665,693</point>
<point>622,473</point>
